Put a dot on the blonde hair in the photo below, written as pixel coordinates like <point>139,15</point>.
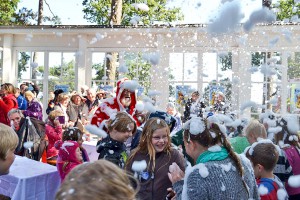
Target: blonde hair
<point>145,144</point>
<point>8,141</point>
<point>9,88</point>
<point>120,123</point>
<point>61,97</point>
<point>97,180</point>
<point>55,113</point>
<point>256,128</point>
<point>29,93</point>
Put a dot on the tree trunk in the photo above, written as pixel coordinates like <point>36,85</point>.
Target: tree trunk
<point>116,12</point>
<point>111,67</point>
<point>268,85</point>
<point>41,10</point>
<point>115,19</point>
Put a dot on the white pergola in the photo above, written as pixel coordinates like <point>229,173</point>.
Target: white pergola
<point>161,39</point>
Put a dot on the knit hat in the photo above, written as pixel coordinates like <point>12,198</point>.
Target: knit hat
<point>170,120</point>
<point>67,151</point>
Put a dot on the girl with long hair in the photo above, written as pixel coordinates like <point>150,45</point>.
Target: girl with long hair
<point>219,173</point>
<point>155,151</point>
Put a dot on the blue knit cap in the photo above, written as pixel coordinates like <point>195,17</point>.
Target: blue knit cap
<point>170,120</point>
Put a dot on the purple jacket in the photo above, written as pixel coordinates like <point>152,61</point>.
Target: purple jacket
<point>34,109</point>
<point>293,156</point>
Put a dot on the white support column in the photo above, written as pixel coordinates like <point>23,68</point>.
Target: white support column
<point>284,82</point>
<point>241,61</point>
<point>46,84</point>
<point>88,68</point>
<point>235,73</point>
<point>8,73</point>
<point>200,71</point>
<point>160,75</point>
<point>80,77</point>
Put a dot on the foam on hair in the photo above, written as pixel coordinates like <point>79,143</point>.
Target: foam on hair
<point>97,180</point>
<point>211,136</point>
<point>120,122</point>
<point>145,143</point>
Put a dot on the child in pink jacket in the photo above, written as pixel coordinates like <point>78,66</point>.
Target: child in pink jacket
<point>293,155</point>
<point>69,156</point>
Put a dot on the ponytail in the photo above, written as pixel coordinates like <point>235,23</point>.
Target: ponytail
<point>232,154</point>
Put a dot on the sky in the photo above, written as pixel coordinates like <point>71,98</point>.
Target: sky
<point>195,11</point>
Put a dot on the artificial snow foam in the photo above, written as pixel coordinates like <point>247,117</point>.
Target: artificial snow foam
<point>95,130</point>
<point>139,106</point>
<point>294,181</point>
<point>28,145</point>
<point>228,19</point>
<point>259,16</point>
<point>130,85</point>
<point>139,166</point>
<point>196,126</point>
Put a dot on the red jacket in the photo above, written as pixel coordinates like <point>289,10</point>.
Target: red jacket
<point>54,134</point>
<point>9,102</point>
<point>113,105</point>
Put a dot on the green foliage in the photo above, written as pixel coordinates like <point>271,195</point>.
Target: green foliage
<point>98,11</point>
<point>7,10</point>
<point>24,16</point>
<point>171,86</point>
<point>65,75</point>
<point>226,61</point>
<point>287,9</point>
<point>23,61</point>
<point>138,69</point>
<point>99,71</point>
<point>257,58</point>
<point>294,66</point>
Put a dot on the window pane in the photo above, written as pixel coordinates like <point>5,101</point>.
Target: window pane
<point>138,68</point>
<point>55,59</point>
<point>98,61</point>
<point>209,67</point>
<point>225,66</point>
<point>294,66</point>
<point>37,66</point>
<point>24,70</point>
<point>176,66</point>
<point>258,58</point>
<point>266,66</point>
<point>62,70</point>
<point>257,92</point>
<point>190,66</point>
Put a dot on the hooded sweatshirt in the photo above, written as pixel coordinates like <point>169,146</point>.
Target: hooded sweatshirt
<point>67,159</point>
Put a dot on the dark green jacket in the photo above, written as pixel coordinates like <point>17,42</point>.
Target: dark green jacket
<point>177,139</point>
